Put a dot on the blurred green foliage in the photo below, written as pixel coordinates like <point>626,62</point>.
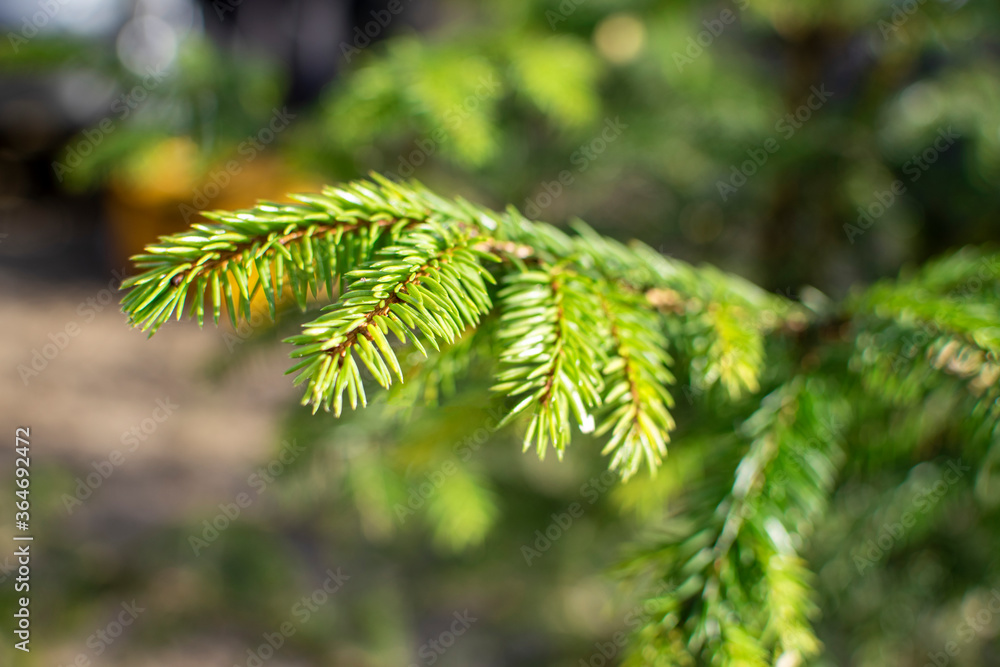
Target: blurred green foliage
<point>507,103</point>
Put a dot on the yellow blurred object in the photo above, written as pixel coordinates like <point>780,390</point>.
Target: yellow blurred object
<point>162,190</point>
<point>164,172</point>
<point>620,37</point>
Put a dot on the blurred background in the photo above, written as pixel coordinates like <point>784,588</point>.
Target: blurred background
<point>795,143</point>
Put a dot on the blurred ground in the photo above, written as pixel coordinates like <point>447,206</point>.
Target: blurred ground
<point>109,380</point>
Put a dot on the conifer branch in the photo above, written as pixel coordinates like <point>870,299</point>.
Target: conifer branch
<point>398,258</point>
<point>739,588</point>
<point>551,342</point>
<point>635,404</point>
<point>307,245</point>
<point>586,332</point>
<point>946,318</point>
<point>431,282</point>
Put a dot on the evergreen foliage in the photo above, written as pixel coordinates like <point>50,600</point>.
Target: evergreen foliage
<point>586,334</point>
<point>577,331</point>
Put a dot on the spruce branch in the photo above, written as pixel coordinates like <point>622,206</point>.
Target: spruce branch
<point>586,332</point>
<point>732,352</point>
<point>429,285</point>
<point>307,245</point>
<point>635,403</point>
<point>396,257</point>
<point>739,587</point>
<point>946,319</point>
<point>551,347</point>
